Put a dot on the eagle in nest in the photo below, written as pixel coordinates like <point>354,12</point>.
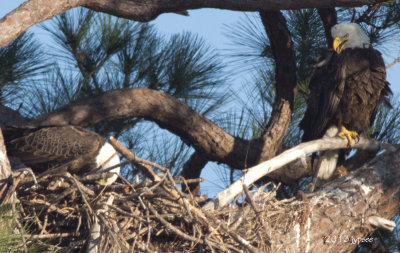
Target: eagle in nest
<point>44,148</point>
<point>346,88</point>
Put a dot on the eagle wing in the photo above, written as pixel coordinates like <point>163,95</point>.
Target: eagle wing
<point>52,145</point>
<point>345,89</point>
<point>326,90</point>
<point>366,88</point>
<point>379,75</point>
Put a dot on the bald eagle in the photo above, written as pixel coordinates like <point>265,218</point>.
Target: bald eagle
<point>43,148</point>
<point>346,88</point>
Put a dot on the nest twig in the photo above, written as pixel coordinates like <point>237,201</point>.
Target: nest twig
<point>155,216</point>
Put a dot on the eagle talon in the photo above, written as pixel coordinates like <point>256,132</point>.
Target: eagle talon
<point>349,135</point>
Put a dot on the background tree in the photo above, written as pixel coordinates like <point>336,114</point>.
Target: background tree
<point>100,53</point>
<point>95,52</point>
<point>307,30</point>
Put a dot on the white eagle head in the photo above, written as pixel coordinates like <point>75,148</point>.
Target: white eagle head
<point>349,35</point>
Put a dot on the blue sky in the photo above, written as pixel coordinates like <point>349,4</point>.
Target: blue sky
<point>208,23</point>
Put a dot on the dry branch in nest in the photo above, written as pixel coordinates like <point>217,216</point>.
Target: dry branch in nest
<point>129,217</point>
<point>74,214</point>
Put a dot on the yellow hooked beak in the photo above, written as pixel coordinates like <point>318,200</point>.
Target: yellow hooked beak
<point>338,44</point>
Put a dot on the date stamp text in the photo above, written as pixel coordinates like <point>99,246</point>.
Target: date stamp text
<point>346,239</point>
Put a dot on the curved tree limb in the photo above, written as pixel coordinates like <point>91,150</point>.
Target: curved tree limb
<point>35,11</point>
<point>270,142</point>
<point>30,13</point>
<point>161,108</point>
<point>169,113</point>
<point>212,142</point>
<point>192,169</point>
<point>11,117</point>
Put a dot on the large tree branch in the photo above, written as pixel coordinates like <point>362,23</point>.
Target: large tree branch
<point>11,117</point>
<point>35,11</point>
<point>192,169</point>
<point>285,81</point>
<point>209,140</point>
<point>161,108</point>
<point>285,65</point>
<point>30,13</point>
<point>169,113</point>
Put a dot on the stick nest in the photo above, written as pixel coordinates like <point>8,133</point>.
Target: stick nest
<point>71,214</point>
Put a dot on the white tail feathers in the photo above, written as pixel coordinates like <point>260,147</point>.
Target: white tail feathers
<point>328,158</point>
<point>106,158</point>
<point>328,164</point>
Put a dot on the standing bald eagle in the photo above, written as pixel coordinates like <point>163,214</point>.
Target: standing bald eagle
<point>346,88</point>
<point>78,149</point>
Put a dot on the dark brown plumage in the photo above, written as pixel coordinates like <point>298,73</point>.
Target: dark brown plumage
<point>345,90</point>
<point>48,147</point>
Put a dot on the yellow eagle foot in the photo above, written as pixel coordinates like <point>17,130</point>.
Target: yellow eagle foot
<point>349,135</point>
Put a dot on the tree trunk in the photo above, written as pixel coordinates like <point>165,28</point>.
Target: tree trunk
<point>338,217</point>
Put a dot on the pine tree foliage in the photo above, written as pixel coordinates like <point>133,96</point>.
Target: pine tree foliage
<point>21,60</point>
<point>94,53</point>
<point>381,21</point>
<point>308,37</point>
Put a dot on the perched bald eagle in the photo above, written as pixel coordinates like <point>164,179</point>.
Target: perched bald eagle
<point>43,148</point>
<point>346,88</point>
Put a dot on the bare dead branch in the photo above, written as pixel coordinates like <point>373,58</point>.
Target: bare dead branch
<point>250,199</point>
<point>358,203</point>
<point>83,195</point>
<point>382,223</point>
<point>48,236</point>
<point>393,63</point>
<point>298,152</point>
<point>176,230</point>
<point>147,170</point>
